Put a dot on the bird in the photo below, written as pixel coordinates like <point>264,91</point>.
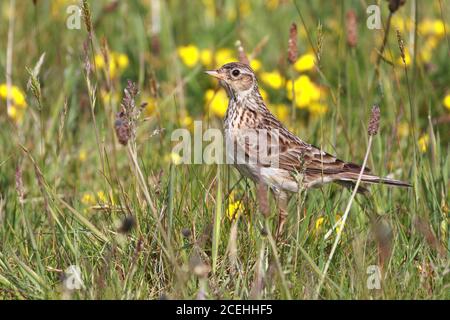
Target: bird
<point>277,158</point>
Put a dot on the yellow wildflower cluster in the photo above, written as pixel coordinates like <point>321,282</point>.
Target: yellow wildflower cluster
<point>426,27</point>
<point>90,199</point>
<point>423,143</point>
<point>272,79</point>
<point>446,101</point>
<point>118,62</point>
<point>216,102</point>
<point>16,110</point>
<point>432,30</point>
<point>319,223</point>
<point>305,62</point>
<point>191,55</point>
<point>307,95</point>
<point>432,27</point>
<point>235,209</point>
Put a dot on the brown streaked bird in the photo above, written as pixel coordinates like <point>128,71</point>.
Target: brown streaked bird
<point>294,162</point>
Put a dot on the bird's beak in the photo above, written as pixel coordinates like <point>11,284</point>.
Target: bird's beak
<point>215,74</point>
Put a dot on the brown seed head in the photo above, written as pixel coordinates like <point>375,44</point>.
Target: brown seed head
<point>292,44</point>
<point>86,11</point>
<point>374,122</point>
<point>401,45</point>
<point>352,28</point>
<point>126,119</point>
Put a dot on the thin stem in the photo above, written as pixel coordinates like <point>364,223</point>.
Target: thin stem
<point>344,219</point>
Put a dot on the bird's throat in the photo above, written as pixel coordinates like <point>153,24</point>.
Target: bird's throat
<point>229,90</point>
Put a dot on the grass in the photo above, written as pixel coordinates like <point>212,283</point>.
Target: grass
<point>140,227</point>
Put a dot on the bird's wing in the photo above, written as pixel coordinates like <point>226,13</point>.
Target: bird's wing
<point>295,155</point>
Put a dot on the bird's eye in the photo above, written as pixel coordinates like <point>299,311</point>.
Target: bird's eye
<point>235,72</point>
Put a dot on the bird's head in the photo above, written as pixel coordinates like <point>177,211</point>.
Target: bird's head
<point>237,78</point>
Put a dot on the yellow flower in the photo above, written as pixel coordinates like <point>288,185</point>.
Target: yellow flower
<point>99,61</point>
<point>82,155</point>
<point>255,64</point>
<point>224,56</point>
<point>189,54</point>
<point>317,109</point>
<point>235,208</point>
<point>273,79</point>
<point>403,129</point>
<point>318,224</point>
<point>305,62</point>
<point>121,60</point>
<point>217,102</point>
<point>16,110</point>
<point>401,24</point>
<point>438,28</point>
<point>423,142</point>
<point>306,91</point>
<point>206,57</point>
<point>101,196</point>
<point>446,101</point>
<point>432,27</point>
<point>425,27</point>
<point>88,199</point>
<point>118,62</point>
<point>14,94</point>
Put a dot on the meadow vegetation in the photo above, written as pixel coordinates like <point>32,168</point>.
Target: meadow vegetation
<point>81,185</point>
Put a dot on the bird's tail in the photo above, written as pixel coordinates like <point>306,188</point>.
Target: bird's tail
<point>369,178</point>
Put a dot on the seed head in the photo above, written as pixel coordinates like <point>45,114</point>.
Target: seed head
<point>126,119</point>
<point>401,45</point>
<point>292,44</point>
<point>352,28</point>
<point>123,129</point>
<point>374,122</point>
<point>87,16</point>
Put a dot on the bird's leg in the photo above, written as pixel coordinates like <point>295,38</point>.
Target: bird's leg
<point>282,202</point>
